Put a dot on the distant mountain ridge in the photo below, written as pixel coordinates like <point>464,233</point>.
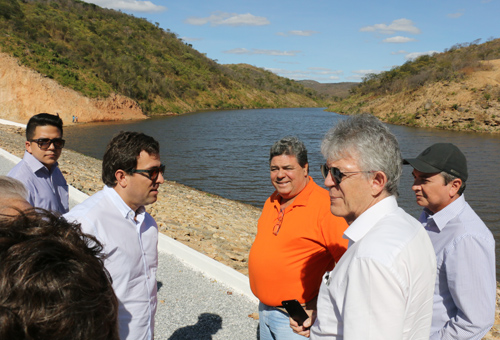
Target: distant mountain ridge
<point>100,52</point>
<point>336,90</point>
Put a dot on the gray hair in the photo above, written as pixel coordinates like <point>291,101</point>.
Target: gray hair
<point>12,188</point>
<point>364,138</point>
<point>449,177</point>
<point>290,146</point>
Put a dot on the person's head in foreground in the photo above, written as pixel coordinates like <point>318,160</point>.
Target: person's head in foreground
<point>53,284</point>
<point>289,167</point>
<point>439,173</point>
<point>131,165</point>
<point>12,196</point>
<point>44,141</point>
<point>363,165</point>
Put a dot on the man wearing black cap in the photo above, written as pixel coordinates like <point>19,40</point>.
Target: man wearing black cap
<point>464,296</point>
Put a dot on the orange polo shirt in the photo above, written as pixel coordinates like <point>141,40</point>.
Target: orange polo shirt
<point>290,265</point>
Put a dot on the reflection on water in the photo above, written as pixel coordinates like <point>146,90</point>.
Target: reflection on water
<point>226,152</point>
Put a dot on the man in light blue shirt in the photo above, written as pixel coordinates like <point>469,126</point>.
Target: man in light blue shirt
<point>132,173</point>
<point>465,292</point>
<point>38,169</point>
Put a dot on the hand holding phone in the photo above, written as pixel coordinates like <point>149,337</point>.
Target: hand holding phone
<point>295,310</point>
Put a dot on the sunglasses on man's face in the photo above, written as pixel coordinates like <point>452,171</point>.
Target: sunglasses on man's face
<point>152,173</point>
<point>337,175</point>
<point>44,143</point>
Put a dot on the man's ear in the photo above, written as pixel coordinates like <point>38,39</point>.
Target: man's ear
<point>455,186</point>
<point>121,178</point>
<point>27,145</point>
<point>379,180</point>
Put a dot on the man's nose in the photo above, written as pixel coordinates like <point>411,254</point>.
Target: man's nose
<point>329,182</point>
<point>160,178</point>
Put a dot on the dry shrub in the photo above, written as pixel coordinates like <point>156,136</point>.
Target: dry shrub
<point>467,70</point>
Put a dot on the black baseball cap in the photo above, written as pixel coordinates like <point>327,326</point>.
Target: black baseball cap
<point>441,157</point>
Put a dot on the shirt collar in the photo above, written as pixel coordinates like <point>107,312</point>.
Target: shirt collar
<point>123,208</point>
<point>443,216</point>
<point>35,164</point>
<point>301,199</point>
<point>365,222</point>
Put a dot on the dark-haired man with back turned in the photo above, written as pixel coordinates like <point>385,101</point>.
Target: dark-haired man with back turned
<point>38,169</point>
<point>132,173</point>
<point>53,284</point>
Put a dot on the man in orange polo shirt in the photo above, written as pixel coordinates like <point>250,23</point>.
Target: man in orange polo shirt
<point>298,240</point>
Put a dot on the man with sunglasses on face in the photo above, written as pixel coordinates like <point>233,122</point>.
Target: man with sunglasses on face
<point>132,173</point>
<point>383,285</point>
<point>38,169</point>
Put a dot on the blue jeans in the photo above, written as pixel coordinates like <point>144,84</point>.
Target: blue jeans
<point>275,324</point>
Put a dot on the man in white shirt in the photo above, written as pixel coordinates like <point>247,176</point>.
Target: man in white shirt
<point>382,287</point>
<point>132,172</point>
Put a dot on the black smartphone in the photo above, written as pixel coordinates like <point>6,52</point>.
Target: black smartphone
<point>295,310</point>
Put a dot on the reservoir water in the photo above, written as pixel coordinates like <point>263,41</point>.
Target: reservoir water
<point>226,152</point>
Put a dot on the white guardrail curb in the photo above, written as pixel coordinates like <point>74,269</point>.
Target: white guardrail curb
<point>195,260</point>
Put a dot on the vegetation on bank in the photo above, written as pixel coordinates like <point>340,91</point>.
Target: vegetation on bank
<point>454,64</point>
<point>433,91</point>
<point>97,51</point>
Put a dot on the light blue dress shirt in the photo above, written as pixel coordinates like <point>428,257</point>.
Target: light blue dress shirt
<point>465,292</point>
<point>47,189</point>
<point>131,244</point>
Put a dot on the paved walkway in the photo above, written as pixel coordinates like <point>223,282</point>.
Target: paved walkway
<point>198,298</point>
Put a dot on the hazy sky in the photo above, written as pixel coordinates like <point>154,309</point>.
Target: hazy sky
<point>322,40</point>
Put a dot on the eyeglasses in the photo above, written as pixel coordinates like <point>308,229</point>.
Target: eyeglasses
<point>277,226</point>
<point>337,175</point>
<point>152,173</point>
<point>44,143</point>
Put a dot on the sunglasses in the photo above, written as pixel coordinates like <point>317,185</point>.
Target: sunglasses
<point>152,173</point>
<point>337,175</point>
<point>277,226</point>
<point>44,143</point>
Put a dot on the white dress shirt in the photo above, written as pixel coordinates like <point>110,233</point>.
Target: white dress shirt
<point>465,293</point>
<point>382,287</point>
<point>131,244</point>
<point>46,188</point>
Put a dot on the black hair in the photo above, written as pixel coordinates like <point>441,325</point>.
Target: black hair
<point>43,119</point>
<point>53,282</point>
<point>122,153</point>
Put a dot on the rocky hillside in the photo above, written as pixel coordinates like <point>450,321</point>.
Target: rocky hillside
<point>458,89</point>
<point>100,52</point>
<point>471,104</point>
<point>24,92</point>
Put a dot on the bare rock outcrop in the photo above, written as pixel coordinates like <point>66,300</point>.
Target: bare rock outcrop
<point>24,92</point>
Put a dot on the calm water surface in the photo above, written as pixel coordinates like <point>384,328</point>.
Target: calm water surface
<point>226,152</point>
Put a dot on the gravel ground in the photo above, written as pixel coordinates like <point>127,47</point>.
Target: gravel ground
<point>192,306</point>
